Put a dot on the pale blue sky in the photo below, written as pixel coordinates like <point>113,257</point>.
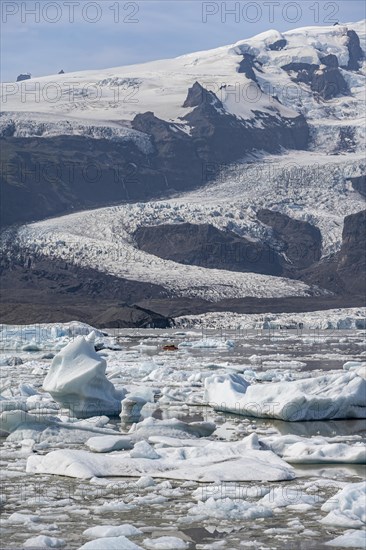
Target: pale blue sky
<point>130,32</point>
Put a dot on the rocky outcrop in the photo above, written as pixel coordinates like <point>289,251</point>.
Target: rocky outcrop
<point>43,177</point>
<point>22,77</point>
<point>221,137</point>
<point>175,158</point>
<point>51,290</point>
<point>325,79</point>
<point>246,66</point>
<point>359,184</point>
<point>345,272</point>
<point>278,45</point>
<point>355,52</point>
<point>301,241</point>
<point>352,256</point>
<point>205,245</point>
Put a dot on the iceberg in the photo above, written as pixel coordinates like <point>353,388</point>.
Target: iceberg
<point>318,398</point>
<point>216,462</point>
<point>155,431</point>
<point>350,539</point>
<point>347,507</point>
<point>315,450</point>
<point>112,543</point>
<point>77,381</point>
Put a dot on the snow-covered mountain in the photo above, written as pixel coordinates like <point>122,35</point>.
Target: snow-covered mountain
<point>314,71</point>
<point>248,159</point>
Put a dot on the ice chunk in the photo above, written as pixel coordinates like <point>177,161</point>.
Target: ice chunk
<point>144,482</point>
<point>172,427</point>
<point>351,365</point>
<point>110,543</point>
<point>131,408</point>
<point>208,343</point>
<point>349,539</point>
<point>228,508</point>
<point>317,398</point>
<point>142,449</point>
<point>104,531</point>
<point>165,543</point>
<point>300,450</point>
<point>215,462</point>
<point>77,381</point>
<point>281,497</point>
<point>44,542</point>
<point>150,428</point>
<point>347,507</point>
<point>107,443</point>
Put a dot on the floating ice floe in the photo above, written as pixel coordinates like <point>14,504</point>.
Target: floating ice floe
<point>47,430</point>
<point>105,531</point>
<point>319,398</point>
<point>154,430</point>
<point>43,541</point>
<point>350,539</point>
<point>300,450</point>
<point>228,508</point>
<point>214,462</point>
<point>131,408</point>
<point>165,543</point>
<point>44,336</point>
<point>110,543</point>
<point>77,381</point>
<point>347,508</point>
<point>207,343</point>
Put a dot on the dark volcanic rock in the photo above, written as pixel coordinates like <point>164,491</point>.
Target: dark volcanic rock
<point>356,54</point>
<point>221,137</point>
<point>278,45</point>
<point>207,246</point>
<point>330,61</point>
<point>197,95</point>
<point>302,242</point>
<point>175,157</point>
<point>345,272</point>
<point>328,82</point>
<point>246,66</point>
<point>359,184</point>
<point>43,177</point>
<point>22,77</point>
<point>41,293</point>
<point>352,256</point>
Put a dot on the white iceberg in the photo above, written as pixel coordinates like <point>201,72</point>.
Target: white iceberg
<point>131,408</point>
<point>317,398</point>
<point>110,543</point>
<point>215,462</point>
<point>229,509</point>
<point>43,336</point>
<point>106,531</point>
<point>156,431</point>
<point>43,541</point>
<point>165,543</point>
<point>347,508</point>
<point>350,539</point>
<point>316,450</point>
<point>77,381</point>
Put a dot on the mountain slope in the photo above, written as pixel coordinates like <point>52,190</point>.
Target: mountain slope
<point>152,130</point>
<point>257,146</point>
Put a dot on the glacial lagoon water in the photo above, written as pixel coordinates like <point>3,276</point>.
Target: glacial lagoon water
<point>64,508</point>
